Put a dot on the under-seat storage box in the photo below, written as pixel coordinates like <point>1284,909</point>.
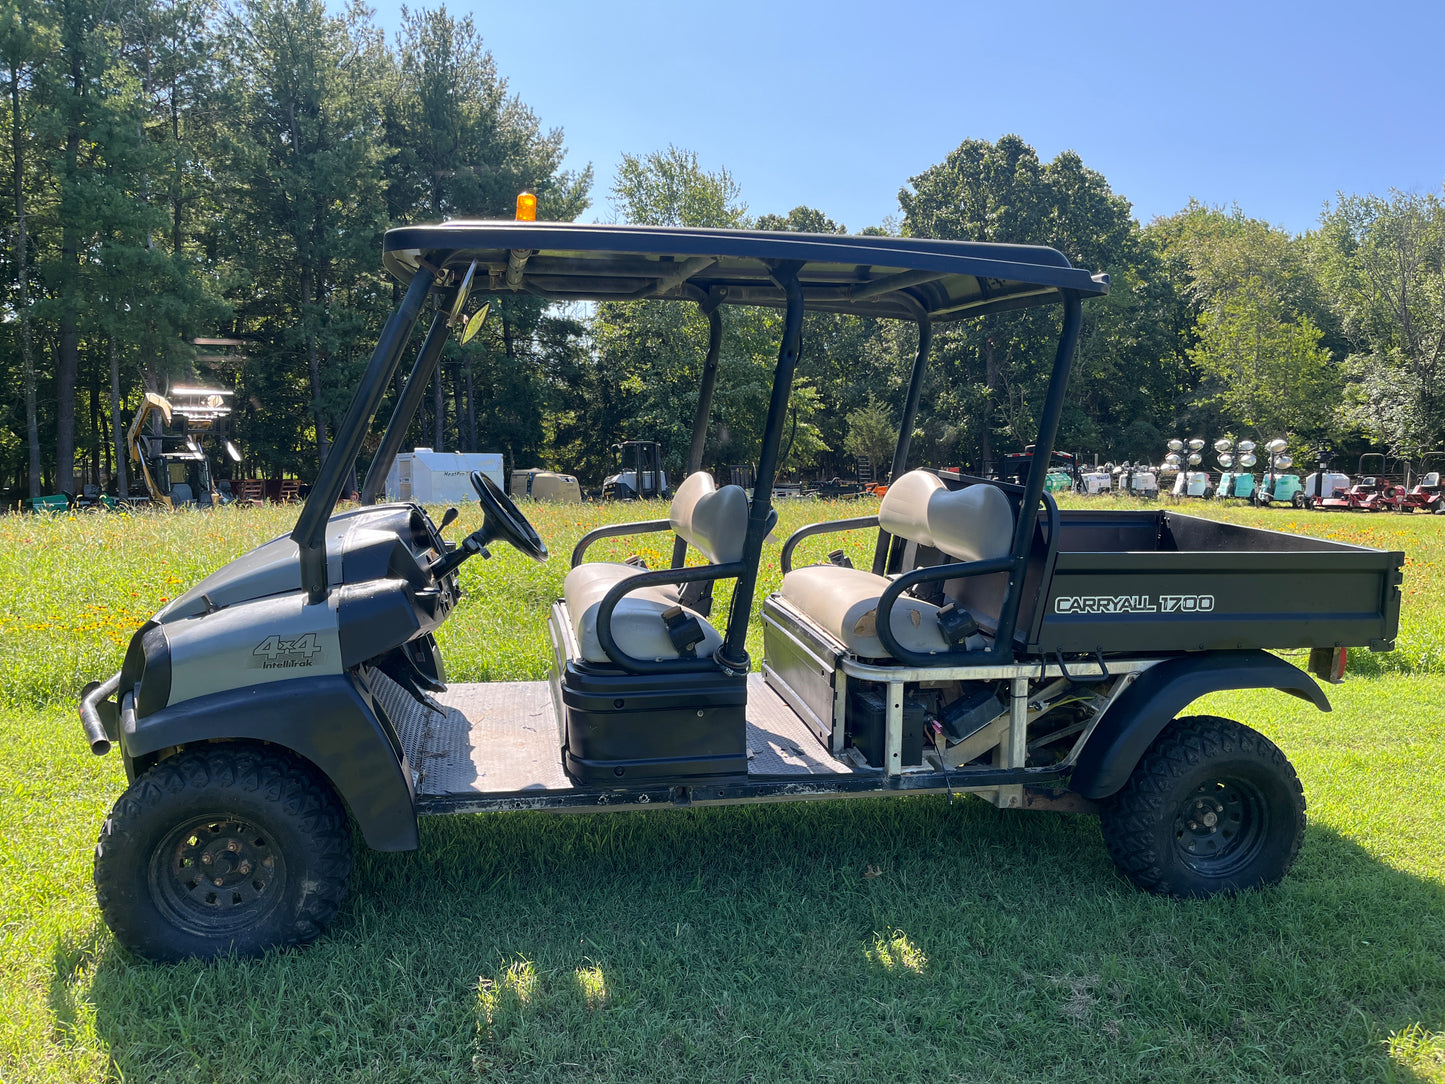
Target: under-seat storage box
<point>624,728</point>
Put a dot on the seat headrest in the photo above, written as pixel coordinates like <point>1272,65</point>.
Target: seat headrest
<point>713,521</point>
<point>904,511</point>
<point>972,524</point>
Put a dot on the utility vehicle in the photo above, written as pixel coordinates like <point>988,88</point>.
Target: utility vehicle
<point>639,475</point>
<point>1038,658</point>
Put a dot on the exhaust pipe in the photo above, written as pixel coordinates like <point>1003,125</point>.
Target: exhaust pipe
<point>91,697</point>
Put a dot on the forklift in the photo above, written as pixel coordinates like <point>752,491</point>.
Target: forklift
<point>173,460</point>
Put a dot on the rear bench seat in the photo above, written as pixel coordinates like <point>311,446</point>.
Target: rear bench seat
<point>714,522</point>
<point>971,524</point>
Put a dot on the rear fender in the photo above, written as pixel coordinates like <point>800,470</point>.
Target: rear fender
<point>1159,694</point>
<point>331,721</point>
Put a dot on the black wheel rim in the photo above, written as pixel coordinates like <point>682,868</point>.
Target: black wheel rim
<point>1220,828</point>
<point>217,875</point>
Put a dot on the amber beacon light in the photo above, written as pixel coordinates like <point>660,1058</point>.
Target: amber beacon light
<point>526,207</point>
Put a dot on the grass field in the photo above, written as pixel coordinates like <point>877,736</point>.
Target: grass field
<point>873,940</point>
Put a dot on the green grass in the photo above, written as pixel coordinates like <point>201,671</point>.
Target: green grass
<point>872,940</point>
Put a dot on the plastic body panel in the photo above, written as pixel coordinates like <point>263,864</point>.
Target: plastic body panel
<point>802,664</point>
<point>1160,693</point>
<point>330,720</point>
<point>1146,582</point>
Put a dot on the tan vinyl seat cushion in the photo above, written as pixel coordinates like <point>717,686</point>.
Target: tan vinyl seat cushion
<point>714,522</point>
<point>844,603</point>
<point>971,524</point>
<point>637,623</point>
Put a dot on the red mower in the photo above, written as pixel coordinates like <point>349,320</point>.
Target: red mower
<point>1428,495</point>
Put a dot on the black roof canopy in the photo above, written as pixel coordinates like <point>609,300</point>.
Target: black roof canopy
<point>899,277</point>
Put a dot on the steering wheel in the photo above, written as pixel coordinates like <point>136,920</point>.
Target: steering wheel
<point>501,521</point>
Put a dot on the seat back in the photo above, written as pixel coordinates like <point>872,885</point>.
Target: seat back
<point>713,521</point>
<point>975,523</point>
<point>1431,479</point>
<point>181,493</point>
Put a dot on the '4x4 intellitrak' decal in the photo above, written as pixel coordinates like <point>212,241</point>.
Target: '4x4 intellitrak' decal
<point>278,652</point>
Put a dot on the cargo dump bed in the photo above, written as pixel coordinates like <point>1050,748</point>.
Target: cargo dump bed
<point>1155,581</point>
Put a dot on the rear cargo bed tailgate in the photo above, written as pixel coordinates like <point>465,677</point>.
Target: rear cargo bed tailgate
<point>1208,585</point>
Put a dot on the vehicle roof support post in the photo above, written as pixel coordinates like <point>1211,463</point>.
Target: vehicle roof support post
<point>905,430</point>
<point>733,654</point>
<point>406,406</point>
<point>704,412</point>
<point>1038,468</point>
<point>309,533</point>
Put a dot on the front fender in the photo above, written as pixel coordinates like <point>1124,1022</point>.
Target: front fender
<point>1132,722</point>
<point>332,721</point>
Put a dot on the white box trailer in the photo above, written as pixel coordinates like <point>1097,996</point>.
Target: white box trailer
<point>428,477</point>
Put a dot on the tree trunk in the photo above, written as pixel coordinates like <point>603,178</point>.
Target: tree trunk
<point>459,398</point>
<point>93,386</point>
<point>66,366</point>
<point>313,364</point>
<point>122,489</point>
<point>68,352</point>
<point>992,383</point>
<point>439,407</point>
<point>22,275</point>
<point>471,408</point>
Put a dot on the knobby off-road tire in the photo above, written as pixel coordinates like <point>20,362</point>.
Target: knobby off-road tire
<point>1211,807</point>
<point>223,849</point>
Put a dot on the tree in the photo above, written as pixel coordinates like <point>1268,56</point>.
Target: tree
<point>1383,261</point>
<point>463,147</point>
<point>1266,371</point>
<point>989,378</point>
<point>872,433</point>
<point>650,355</point>
<point>308,154</point>
<point>26,38</point>
<point>670,188</point>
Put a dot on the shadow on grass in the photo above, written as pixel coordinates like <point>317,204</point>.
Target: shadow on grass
<point>898,939</point>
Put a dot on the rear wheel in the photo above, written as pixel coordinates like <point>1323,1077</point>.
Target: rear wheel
<point>1299,500</point>
<point>1211,807</point>
<point>222,849</point>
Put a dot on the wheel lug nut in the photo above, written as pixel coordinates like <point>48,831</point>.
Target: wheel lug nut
<point>207,859</point>
<point>232,846</point>
<point>244,867</point>
<point>218,882</point>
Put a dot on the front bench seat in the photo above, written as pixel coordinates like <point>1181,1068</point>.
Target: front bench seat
<point>714,522</point>
<point>971,524</point>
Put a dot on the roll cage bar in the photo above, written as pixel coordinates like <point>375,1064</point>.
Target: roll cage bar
<point>923,281</point>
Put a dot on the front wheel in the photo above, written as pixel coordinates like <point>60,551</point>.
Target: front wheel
<point>222,849</point>
<point>1211,807</point>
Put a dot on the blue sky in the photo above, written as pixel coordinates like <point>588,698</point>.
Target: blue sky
<point>836,105</point>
